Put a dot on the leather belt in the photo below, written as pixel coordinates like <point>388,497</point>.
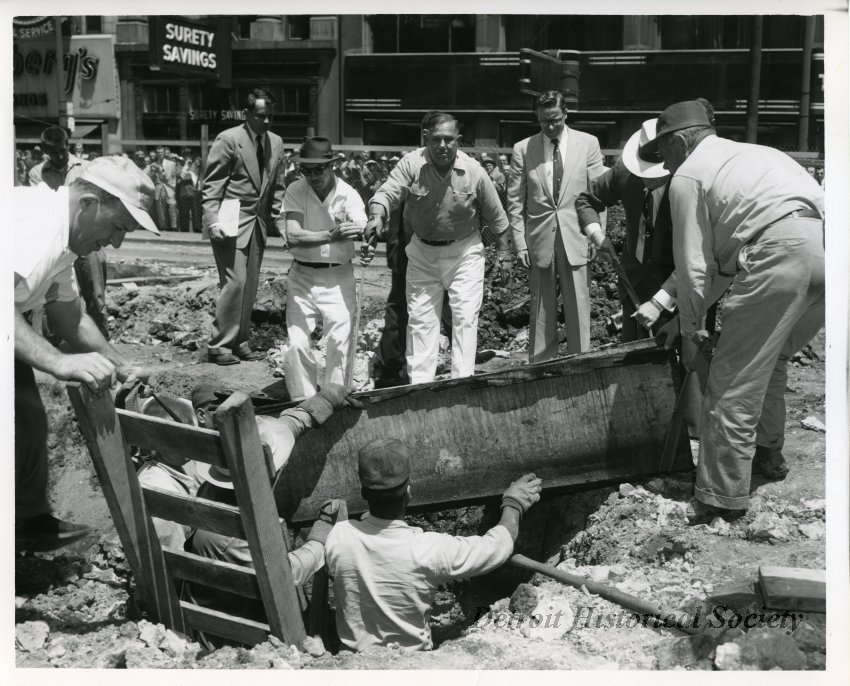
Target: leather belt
<point>804,213</point>
<point>438,243</point>
<point>319,265</point>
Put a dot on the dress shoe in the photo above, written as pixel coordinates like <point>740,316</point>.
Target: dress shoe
<point>770,463</point>
<point>223,359</point>
<point>251,356</point>
<point>45,532</point>
<point>699,513</point>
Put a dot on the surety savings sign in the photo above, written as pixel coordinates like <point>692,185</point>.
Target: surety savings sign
<point>188,47</point>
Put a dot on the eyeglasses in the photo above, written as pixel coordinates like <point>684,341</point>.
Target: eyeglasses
<point>550,122</point>
<point>313,171</point>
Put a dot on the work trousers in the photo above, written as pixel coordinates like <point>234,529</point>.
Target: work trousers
<point>239,277</point>
<point>775,306</point>
<point>432,270</point>
<point>90,271</point>
<point>30,446</point>
<point>310,292</point>
<point>390,362</point>
<point>574,285</point>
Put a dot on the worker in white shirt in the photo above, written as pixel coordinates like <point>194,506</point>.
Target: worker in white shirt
<point>385,572</point>
<point>323,217</point>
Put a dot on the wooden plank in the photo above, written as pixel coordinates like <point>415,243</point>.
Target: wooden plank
<point>194,512</point>
<point>117,475</point>
<point>228,626</point>
<point>266,538</point>
<point>577,422</point>
<point>217,574</point>
<point>793,588</point>
<point>169,438</point>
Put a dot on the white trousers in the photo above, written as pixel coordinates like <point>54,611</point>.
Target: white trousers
<point>312,292</point>
<point>457,268</point>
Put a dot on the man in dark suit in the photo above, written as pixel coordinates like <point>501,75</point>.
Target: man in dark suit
<point>548,171</point>
<point>647,257</point>
<point>245,163</point>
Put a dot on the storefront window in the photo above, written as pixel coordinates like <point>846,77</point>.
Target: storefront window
<point>161,98</point>
<point>396,33</point>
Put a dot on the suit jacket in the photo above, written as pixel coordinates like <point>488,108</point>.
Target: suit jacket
<point>619,184</point>
<point>534,214</point>
<point>232,172</point>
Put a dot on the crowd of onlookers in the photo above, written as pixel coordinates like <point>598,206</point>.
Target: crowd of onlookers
<point>178,178</point>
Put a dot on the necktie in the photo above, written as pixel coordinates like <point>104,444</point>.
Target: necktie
<point>648,223</point>
<point>557,170</point>
<point>261,156</point>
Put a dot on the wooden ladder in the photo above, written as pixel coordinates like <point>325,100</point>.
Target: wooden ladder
<point>234,446</point>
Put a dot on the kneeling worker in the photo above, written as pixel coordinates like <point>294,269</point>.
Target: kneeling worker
<point>386,573</point>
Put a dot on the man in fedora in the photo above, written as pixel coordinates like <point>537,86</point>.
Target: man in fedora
<point>245,164</point>
<point>323,217</point>
<point>749,216</point>
<point>385,572</point>
<point>109,197</point>
<point>280,435</point>
<point>548,171</point>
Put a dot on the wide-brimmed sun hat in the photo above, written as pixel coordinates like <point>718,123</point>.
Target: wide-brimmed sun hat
<point>650,166</point>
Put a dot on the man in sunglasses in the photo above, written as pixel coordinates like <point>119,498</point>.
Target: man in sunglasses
<point>323,217</point>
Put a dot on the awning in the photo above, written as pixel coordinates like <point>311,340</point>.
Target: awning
<point>83,130</point>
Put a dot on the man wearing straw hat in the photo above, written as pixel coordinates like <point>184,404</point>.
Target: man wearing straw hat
<point>323,217</point>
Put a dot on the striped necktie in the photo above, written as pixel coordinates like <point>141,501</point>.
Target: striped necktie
<point>557,170</point>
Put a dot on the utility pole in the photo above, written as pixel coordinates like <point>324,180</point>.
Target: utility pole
<point>806,83</point>
<point>755,80</point>
<point>60,73</point>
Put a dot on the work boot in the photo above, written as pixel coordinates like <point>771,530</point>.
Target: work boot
<point>770,463</point>
<point>331,512</point>
<point>388,379</point>
<point>44,532</point>
<point>223,359</point>
<point>699,512</point>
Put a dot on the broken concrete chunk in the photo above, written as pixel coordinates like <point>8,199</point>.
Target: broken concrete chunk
<point>524,599</point>
<point>770,527</point>
<point>813,424</point>
<point>312,645</point>
<point>625,489</point>
<point>551,619</point>
<point>31,636</point>
<point>816,531</point>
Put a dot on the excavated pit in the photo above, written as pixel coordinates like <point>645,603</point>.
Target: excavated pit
<point>76,608</point>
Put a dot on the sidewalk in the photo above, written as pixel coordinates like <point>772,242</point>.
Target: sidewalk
<point>187,238</point>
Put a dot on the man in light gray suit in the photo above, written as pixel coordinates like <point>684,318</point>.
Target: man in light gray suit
<point>548,172</point>
<point>244,163</point>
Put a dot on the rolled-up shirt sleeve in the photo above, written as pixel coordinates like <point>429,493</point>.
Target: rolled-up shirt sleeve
<point>460,557</point>
<point>491,207</point>
<point>692,251</point>
<point>395,188</point>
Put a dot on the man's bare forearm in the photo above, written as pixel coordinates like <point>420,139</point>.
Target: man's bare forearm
<point>81,333</point>
<point>32,349</point>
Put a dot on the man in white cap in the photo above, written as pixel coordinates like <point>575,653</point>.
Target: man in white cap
<point>323,217</point>
<point>110,197</point>
<point>385,572</point>
<point>749,216</point>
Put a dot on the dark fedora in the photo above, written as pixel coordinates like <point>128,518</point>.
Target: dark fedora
<point>680,116</point>
<point>317,150</point>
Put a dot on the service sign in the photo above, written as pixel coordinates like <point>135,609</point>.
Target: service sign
<point>188,47</point>
<point>89,81</point>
